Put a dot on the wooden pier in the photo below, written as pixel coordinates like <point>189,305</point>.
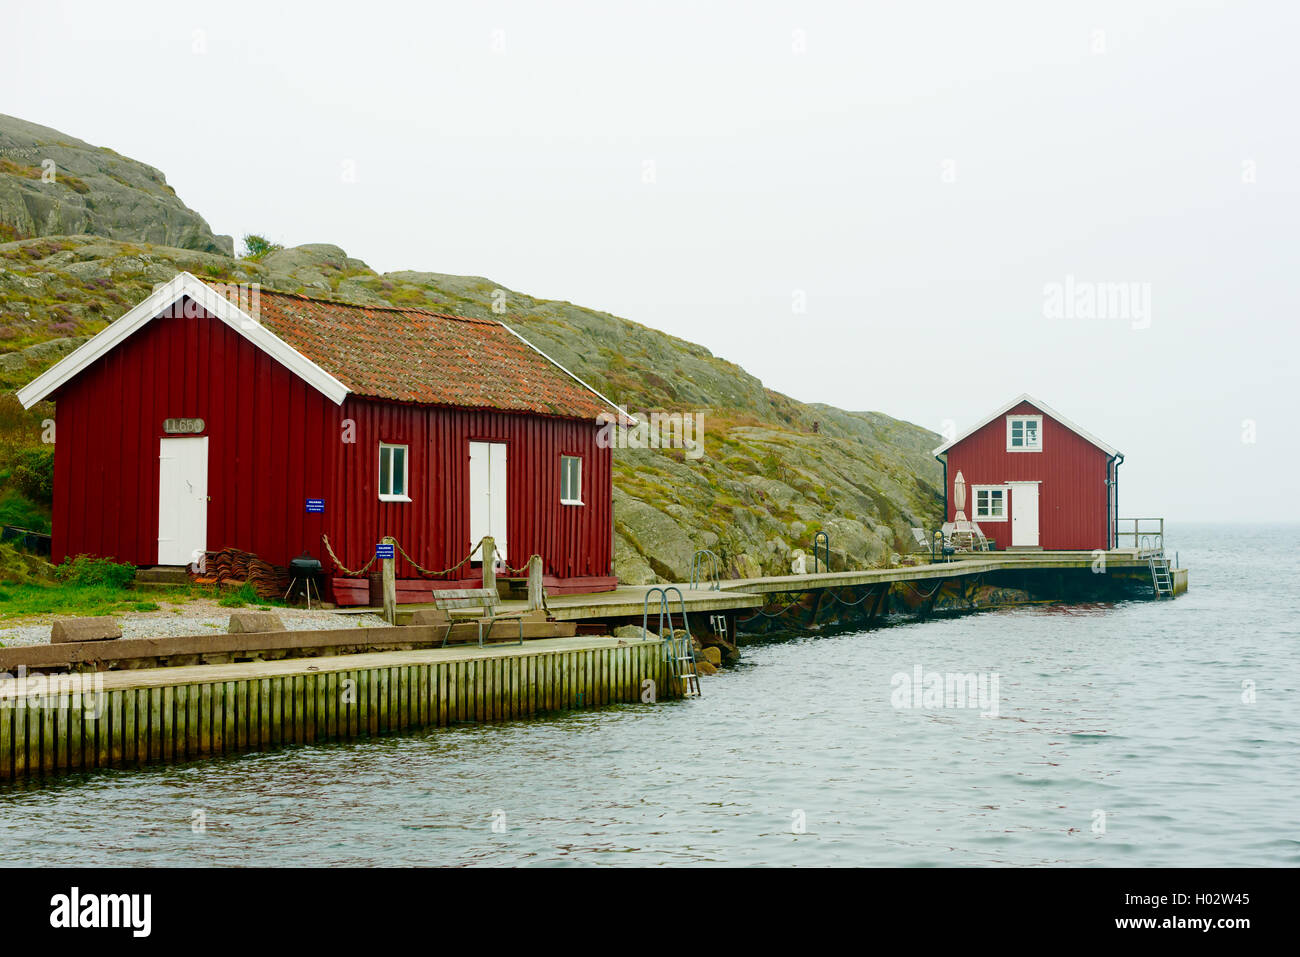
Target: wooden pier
<point>627,602</point>
<point>120,719</point>
<point>331,686</point>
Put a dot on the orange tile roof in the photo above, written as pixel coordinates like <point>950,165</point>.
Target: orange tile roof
<point>411,355</point>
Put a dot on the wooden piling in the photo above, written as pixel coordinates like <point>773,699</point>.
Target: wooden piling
<point>489,563</point>
<point>389,566</point>
<point>535,600</point>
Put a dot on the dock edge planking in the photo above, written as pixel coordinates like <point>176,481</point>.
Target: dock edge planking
<point>167,715</point>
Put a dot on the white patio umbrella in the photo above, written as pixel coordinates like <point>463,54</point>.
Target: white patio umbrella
<point>959,496</point>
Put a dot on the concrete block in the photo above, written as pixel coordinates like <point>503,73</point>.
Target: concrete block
<point>85,629</point>
<point>254,622</point>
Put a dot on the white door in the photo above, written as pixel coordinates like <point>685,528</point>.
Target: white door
<point>182,499</point>
<point>487,494</point>
<point>1024,515</point>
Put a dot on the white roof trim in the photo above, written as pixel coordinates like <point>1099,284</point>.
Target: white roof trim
<point>162,298</point>
<point>1041,407</point>
<point>608,401</point>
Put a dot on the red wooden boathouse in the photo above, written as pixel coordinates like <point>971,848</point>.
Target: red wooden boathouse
<point>191,423</point>
<point>1035,479</point>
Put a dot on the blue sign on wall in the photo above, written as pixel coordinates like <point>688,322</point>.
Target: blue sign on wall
<point>315,506</point>
<point>384,551</point>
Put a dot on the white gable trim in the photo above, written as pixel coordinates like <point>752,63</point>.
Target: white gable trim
<point>162,299</point>
<point>610,402</point>
<point>1041,407</point>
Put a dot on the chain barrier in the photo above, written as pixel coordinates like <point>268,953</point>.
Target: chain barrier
<point>340,566</point>
<point>522,569</point>
<point>414,564</point>
<point>446,571</point>
<point>852,604</point>
<point>933,591</point>
<point>759,611</point>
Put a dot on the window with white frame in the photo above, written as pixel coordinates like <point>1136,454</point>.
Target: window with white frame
<point>394,462</point>
<point>570,480</point>
<point>990,503</point>
<point>1024,433</point>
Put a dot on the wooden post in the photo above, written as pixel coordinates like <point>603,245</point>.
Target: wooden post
<point>390,584</point>
<point>489,563</point>
<point>535,583</point>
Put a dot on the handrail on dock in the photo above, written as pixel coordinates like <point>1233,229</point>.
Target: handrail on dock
<point>678,652</point>
<point>825,541</point>
<point>665,610</point>
<point>698,570</point>
<point>1145,538</point>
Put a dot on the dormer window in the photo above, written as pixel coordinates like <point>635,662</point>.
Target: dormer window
<point>1024,433</point>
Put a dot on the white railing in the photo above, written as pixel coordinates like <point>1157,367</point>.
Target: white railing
<point>1147,535</point>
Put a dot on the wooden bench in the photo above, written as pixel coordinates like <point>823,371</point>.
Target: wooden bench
<point>447,600</point>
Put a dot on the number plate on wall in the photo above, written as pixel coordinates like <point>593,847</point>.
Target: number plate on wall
<point>182,426</point>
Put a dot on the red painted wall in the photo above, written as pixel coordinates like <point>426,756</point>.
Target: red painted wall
<point>274,442</point>
<point>1071,499</point>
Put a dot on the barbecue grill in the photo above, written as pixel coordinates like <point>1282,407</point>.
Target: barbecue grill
<point>306,570</point>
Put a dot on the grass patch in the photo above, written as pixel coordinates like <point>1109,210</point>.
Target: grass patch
<point>245,594</point>
<point>73,601</point>
<point>82,586</point>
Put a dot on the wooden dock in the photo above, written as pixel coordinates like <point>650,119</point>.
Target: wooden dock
<point>739,594</point>
<point>349,687</point>
<point>52,724</point>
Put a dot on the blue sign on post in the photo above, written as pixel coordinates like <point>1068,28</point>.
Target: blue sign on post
<point>384,551</point>
<point>315,506</point>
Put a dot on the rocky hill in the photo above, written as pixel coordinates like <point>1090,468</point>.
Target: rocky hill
<point>52,184</point>
<point>773,472</point>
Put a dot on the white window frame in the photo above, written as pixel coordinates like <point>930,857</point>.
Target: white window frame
<point>1038,431</point>
<point>571,501</point>
<point>406,473</point>
<point>975,502</point>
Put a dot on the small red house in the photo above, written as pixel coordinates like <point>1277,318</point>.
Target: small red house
<point>1034,479</point>
<point>212,417</point>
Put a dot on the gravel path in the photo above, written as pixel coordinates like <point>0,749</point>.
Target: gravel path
<point>198,617</point>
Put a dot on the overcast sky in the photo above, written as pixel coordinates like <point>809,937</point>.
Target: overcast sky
<point>898,206</point>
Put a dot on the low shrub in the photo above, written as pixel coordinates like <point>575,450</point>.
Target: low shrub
<point>17,510</point>
<point>32,472</point>
<point>85,570</point>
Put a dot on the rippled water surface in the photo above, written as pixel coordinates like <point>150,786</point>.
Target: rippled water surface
<point>1135,710</point>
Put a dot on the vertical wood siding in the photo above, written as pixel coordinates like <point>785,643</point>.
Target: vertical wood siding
<point>274,442</point>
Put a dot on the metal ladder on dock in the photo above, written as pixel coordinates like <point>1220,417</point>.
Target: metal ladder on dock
<point>1162,578</point>
<point>679,652</point>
